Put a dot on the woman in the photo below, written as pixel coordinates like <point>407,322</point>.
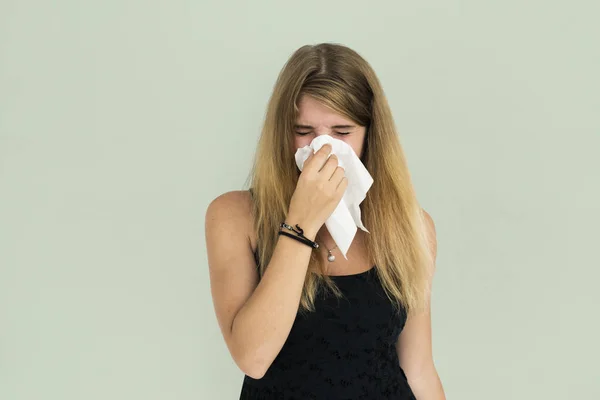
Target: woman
<point>299,319</point>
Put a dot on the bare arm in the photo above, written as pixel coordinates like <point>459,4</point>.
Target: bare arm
<point>414,344</point>
<point>255,318</point>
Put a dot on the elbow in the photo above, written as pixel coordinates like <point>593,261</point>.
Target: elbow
<point>253,360</point>
<point>252,364</point>
<point>256,373</point>
<point>252,367</point>
<point>425,382</point>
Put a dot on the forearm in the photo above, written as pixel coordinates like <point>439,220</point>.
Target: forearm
<point>263,324</point>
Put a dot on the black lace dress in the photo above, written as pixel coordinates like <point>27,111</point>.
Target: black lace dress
<point>346,349</point>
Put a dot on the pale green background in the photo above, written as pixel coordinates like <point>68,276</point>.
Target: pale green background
<point>120,121</point>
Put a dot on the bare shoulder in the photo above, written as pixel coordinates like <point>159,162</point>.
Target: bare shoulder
<point>236,202</point>
<point>230,211</point>
<point>429,223</point>
<point>231,264</point>
<point>431,233</point>
<point>230,215</point>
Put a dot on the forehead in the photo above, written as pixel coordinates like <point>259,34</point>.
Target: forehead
<point>312,112</point>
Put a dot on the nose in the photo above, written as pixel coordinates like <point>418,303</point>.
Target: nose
<point>321,132</point>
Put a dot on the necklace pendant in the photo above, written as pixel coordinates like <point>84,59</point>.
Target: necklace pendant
<point>330,257</point>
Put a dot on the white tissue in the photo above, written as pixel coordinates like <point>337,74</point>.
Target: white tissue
<point>343,222</point>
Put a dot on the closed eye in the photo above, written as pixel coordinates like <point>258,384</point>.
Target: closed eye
<point>308,133</point>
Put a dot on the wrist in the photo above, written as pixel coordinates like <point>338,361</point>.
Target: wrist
<point>299,238</point>
<point>308,230</point>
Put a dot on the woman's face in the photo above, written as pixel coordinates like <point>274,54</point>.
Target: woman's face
<point>315,119</point>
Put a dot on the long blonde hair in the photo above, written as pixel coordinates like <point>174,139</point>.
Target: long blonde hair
<point>397,244</point>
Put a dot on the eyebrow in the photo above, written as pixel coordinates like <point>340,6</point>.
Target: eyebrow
<point>298,126</point>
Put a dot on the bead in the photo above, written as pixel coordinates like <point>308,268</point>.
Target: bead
<point>331,258</point>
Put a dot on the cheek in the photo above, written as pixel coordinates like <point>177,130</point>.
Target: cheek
<point>358,142</point>
<point>356,145</point>
<point>301,141</point>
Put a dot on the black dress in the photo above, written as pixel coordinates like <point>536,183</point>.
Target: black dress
<point>346,349</point>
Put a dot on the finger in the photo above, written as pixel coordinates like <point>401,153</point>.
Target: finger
<point>329,167</point>
<point>307,160</point>
<point>319,158</point>
<point>338,174</point>
<point>343,184</point>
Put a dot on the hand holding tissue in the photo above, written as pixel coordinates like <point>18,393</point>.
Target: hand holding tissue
<point>346,218</point>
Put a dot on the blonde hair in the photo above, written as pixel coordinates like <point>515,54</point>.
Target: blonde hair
<point>397,244</point>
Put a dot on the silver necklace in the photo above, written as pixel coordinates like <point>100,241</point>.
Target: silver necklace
<point>330,256</point>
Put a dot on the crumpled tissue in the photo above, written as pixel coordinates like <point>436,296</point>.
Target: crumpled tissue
<point>342,224</point>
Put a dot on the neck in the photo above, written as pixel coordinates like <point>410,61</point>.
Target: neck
<point>324,237</point>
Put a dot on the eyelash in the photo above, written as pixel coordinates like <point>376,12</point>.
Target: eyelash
<point>338,133</point>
